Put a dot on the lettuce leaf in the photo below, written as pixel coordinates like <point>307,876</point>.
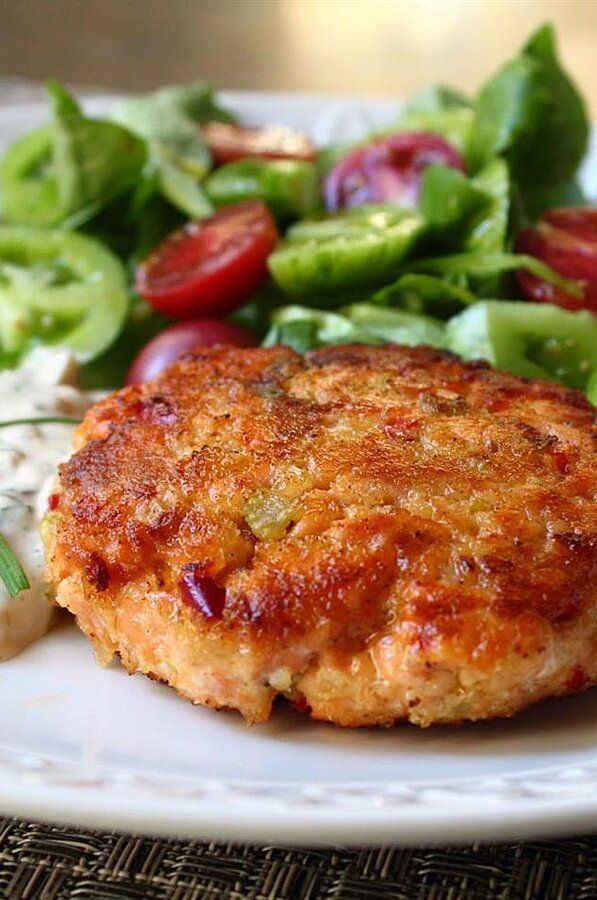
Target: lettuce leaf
<point>303,328</point>
<point>531,113</point>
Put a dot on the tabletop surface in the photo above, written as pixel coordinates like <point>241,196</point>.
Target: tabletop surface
<point>387,47</point>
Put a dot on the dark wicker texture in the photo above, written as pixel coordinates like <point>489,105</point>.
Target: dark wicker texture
<point>46,862</point>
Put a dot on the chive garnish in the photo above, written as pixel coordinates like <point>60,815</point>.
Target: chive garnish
<point>41,420</point>
<point>11,570</point>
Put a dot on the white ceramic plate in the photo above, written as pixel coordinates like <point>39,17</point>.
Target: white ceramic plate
<point>97,748</point>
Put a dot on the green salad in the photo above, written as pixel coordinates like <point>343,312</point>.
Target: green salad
<point>168,224</point>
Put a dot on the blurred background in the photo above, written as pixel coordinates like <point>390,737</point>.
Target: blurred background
<point>385,47</point>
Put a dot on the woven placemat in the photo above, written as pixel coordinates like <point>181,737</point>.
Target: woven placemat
<point>46,862</point>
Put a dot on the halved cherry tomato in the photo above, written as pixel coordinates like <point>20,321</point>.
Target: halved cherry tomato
<point>387,170</point>
<point>229,142</point>
<point>578,220</point>
<point>174,342</point>
<point>565,239</point>
<point>210,266</point>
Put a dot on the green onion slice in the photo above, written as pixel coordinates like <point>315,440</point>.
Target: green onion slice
<point>42,420</point>
<point>11,570</point>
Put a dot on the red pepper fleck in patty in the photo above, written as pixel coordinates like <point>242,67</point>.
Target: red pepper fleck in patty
<point>578,679</point>
<point>97,572</point>
<point>203,593</point>
<point>560,460</point>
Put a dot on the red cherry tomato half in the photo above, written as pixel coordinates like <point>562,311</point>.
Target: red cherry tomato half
<point>387,170</point>
<point>210,266</point>
<point>229,142</point>
<point>184,337</point>
<point>565,239</point>
<point>578,220</point>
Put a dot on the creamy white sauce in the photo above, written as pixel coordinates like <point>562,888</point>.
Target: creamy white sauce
<point>29,454</point>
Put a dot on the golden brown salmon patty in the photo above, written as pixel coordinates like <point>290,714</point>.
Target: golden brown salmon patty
<point>375,533</point>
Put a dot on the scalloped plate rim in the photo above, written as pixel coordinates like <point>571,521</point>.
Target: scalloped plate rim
<point>539,802</point>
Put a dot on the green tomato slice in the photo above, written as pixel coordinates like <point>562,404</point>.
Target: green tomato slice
<point>28,187</point>
<point>535,340</point>
<point>351,250</point>
<point>60,289</point>
<point>289,187</point>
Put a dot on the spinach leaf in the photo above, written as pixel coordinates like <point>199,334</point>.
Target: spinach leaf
<point>255,315</point>
<point>476,265</point>
<point>169,129</point>
<point>448,199</point>
<point>93,161</point>
<point>436,97</point>
<point>489,228</point>
<point>182,189</point>
<point>452,123</point>
<point>169,119</point>
<point>424,294</point>
<point>440,110</point>
<point>532,114</point>
<point>480,264</point>
<point>468,214</point>
<point>159,219</point>
<point>197,100</point>
<point>567,193</point>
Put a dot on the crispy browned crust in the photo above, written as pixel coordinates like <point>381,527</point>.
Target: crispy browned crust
<point>439,565</point>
